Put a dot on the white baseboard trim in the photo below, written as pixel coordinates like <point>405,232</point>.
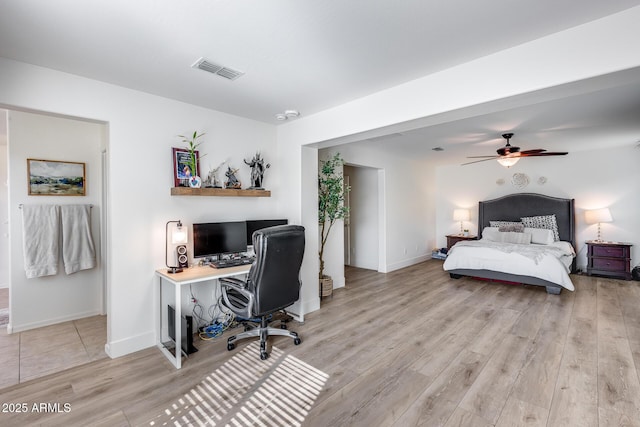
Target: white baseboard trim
<point>304,307</point>
<point>339,282</point>
<point>48,322</point>
<point>130,344</point>
<point>406,263</point>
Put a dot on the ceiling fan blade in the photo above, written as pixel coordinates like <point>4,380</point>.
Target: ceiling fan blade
<point>478,161</point>
<point>545,154</point>
<point>536,150</point>
<point>482,157</point>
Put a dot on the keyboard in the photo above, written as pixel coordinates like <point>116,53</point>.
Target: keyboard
<point>224,263</point>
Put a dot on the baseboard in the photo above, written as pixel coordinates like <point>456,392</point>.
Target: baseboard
<point>130,344</point>
<point>300,308</point>
<point>339,282</point>
<point>48,322</point>
<point>406,263</point>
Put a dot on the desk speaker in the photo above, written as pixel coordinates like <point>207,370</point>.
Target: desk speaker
<point>182,257</point>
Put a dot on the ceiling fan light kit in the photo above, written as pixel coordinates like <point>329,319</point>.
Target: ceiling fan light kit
<point>510,155</point>
<point>507,162</point>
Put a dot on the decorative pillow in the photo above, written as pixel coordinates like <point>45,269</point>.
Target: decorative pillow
<point>541,236</point>
<point>499,223</point>
<point>491,234</point>
<point>516,228</point>
<point>515,237</point>
<point>547,222</point>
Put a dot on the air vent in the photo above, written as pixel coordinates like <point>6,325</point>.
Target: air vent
<point>219,70</point>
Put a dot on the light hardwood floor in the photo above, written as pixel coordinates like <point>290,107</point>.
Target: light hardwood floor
<point>412,347</point>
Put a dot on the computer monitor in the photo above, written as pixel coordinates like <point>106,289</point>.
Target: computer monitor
<point>255,225</point>
<point>215,238</point>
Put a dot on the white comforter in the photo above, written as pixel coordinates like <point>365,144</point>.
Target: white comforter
<point>548,262</point>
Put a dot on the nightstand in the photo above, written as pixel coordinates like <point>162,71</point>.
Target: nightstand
<point>452,239</point>
<point>609,259</point>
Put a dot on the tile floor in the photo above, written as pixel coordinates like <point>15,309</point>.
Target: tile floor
<point>39,352</point>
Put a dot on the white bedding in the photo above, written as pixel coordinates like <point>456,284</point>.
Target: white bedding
<point>548,262</point>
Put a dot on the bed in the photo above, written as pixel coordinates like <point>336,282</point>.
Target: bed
<point>468,259</point>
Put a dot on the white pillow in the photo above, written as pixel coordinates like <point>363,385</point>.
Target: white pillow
<point>541,236</point>
<point>491,234</point>
<point>515,237</point>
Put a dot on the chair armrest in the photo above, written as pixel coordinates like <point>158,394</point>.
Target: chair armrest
<point>233,282</point>
<point>238,286</point>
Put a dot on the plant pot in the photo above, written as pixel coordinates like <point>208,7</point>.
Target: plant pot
<point>326,286</point>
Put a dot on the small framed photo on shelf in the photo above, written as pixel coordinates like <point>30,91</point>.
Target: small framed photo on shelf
<point>56,178</point>
<point>181,169</point>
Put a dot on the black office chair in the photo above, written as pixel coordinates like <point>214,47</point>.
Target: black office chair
<point>273,283</point>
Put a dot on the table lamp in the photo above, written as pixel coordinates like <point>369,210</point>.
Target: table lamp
<point>461,215</point>
<point>598,216</point>
<point>178,237</point>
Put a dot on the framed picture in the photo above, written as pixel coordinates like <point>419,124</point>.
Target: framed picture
<point>181,170</point>
<point>56,178</point>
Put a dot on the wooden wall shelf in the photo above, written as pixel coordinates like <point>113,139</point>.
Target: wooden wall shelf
<point>220,192</point>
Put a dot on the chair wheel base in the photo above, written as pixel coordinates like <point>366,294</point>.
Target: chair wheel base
<point>264,355</point>
<point>297,341</point>
<point>230,346</point>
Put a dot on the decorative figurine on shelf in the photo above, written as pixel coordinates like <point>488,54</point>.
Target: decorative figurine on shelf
<point>212,180</point>
<point>257,171</point>
<point>216,181</point>
<point>232,181</point>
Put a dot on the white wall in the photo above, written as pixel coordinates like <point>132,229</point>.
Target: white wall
<point>4,204</point>
<point>142,130</point>
<point>406,213</point>
<point>363,216</point>
<point>595,179</point>
<point>46,300</point>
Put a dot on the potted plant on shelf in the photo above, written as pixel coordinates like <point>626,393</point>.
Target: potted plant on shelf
<point>192,162</point>
<point>331,208</point>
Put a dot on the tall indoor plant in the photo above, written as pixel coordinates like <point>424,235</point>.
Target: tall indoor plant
<point>331,208</point>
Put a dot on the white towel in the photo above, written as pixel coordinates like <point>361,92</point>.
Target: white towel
<point>40,238</point>
<point>78,252</point>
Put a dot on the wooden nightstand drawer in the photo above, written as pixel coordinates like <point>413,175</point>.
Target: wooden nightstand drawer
<point>609,264</point>
<point>610,251</point>
<point>609,259</point>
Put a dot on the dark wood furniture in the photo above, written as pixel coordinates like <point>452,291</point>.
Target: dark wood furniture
<point>452,239</point>
<point>513,207</point>
<point>609,259</point>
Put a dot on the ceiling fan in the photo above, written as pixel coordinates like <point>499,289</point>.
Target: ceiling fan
<point>509,155</point>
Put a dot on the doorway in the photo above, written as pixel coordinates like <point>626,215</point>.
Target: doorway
<point>362,229</point>
<point>73,302</point>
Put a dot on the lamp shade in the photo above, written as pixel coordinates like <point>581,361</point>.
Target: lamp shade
<point>597,216</point>
<point>179,235</point>
<point>461,214</point>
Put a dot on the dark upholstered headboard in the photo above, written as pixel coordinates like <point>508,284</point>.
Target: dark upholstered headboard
<point>515,206</point>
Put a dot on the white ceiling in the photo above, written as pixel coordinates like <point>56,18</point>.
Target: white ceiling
<point>313,55</point>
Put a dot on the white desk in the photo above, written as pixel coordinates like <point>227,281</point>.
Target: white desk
<point>187,277</point>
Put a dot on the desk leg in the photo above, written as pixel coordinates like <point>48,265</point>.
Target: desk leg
<point>175,358</point>
<point>178,327</point>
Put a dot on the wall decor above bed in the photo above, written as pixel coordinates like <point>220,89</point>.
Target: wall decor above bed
<point>520,180</point>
